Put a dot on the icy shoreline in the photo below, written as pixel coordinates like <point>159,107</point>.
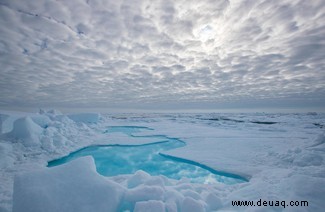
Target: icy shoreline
<point>284,159</point>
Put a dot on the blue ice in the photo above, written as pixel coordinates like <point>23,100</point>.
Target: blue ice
<point>112,160</point>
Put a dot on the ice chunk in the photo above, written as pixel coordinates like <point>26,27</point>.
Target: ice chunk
<point>191,205</point>
<point>144,193</point>
<point>27,131</point>
<point>149,206</point>
<point>3,117</point>
<point>53,112</point>
<point>171,206</point>
<point>138,178</point>
<point>75,186</point>
<point>47,143</point>
<point>213,201</point>
<point>174,199</point>
<point>191,193</point>
<point>6,123</point>
<point>85,117</point>
<point>157,180</point>
<point>41,120</point>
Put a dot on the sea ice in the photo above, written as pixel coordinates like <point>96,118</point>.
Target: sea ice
<point>85,117</point>
<point>71,187</point>
<point>283,161</point>
<point>27,131</point>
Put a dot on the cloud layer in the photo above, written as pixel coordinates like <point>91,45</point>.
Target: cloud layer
<point>93,53</point>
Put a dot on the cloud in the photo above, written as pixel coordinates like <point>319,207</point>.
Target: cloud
<point>115,53</point>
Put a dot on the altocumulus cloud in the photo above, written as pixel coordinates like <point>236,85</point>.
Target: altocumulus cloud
<point>107,53</point>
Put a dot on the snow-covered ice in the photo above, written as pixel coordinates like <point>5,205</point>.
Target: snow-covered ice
<point>282,155</point>
<point>75,186</point>
<point>85,117</point>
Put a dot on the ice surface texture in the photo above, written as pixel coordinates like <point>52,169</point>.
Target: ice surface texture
<point>26,130</point>
<point>284,161</point>
<point>73,187</point>
<point>76,186</point>
<point>114,160</point>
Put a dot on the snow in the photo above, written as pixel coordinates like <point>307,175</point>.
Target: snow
<point>213,201</point>
<point>137,179</point>
<point>3,117</point>
<point>5,159</point>
<point>149,206</point>
<point>27,131</point>
<point>191,205</point>
<point>283,161</point>
<point>71,187</point>
<point>42,120</point>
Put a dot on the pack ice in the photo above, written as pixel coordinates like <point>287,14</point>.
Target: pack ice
<point>281,156</point>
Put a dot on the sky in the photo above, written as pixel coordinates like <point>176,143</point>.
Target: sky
<point>163,55</point>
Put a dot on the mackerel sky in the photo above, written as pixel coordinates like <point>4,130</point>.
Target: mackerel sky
<point>179,54</point>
